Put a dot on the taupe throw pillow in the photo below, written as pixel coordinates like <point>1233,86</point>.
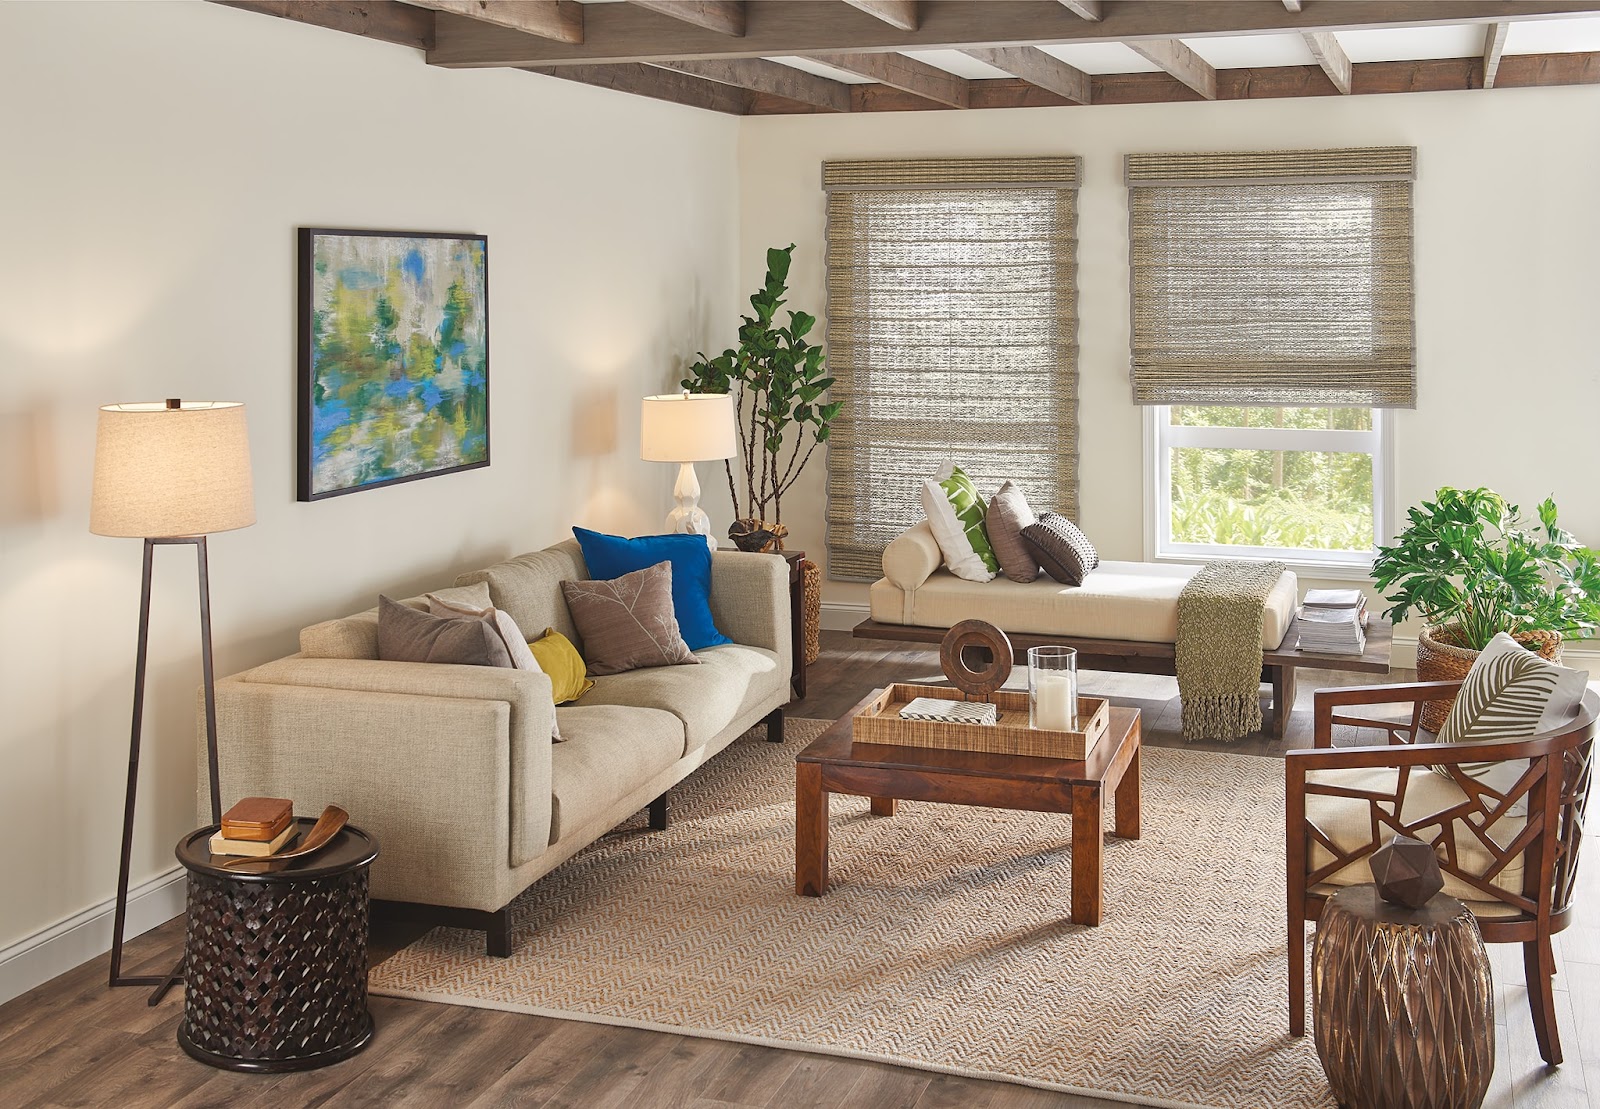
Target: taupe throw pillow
<point>1061,548</point>
<point>1008,515</point>
<point>627,623</point>
<point>408,635</point>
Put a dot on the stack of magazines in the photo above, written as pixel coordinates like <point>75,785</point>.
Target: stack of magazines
<point>1333,621</point>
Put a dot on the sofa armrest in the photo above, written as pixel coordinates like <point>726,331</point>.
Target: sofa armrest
<point>448,766</point>
<point>750,601</point>
<point>912,556</point>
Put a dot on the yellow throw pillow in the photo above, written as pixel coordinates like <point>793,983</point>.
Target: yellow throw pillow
<point>560,659</point>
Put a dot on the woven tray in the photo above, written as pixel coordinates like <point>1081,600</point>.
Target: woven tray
<point>880,722</point>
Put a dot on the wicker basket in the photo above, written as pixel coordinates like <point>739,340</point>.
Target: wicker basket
<point>1439,659</point>
<point>811,609</point>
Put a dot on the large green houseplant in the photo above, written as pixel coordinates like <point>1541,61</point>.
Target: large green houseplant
<point>777,379</point>
<point>1470,568</point>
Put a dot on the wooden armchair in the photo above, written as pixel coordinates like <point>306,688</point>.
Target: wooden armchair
<point>1508,845</point>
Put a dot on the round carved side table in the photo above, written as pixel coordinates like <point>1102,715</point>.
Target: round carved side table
<point>275,956</point>
<point>1403,1004</point>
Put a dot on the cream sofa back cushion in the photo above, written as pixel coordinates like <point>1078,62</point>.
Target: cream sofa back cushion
<point>528,587</point>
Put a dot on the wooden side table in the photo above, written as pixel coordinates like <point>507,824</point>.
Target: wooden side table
<point>797,613</point>
<point>1402,1001</point>
<point>275,956</point>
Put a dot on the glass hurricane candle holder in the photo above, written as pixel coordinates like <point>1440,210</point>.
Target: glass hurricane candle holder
<point>1053,688</point>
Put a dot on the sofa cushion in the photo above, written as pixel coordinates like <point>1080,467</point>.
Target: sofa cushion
<point>1347,822</point>
<point>1061,548</point>
<point>408,635</point>
<point>1120,600</point>
<point>356,636</point>
<point>1008,514</point>
<point>612,556</point>
<point>729,682</point>
<point>529,587</point>
<point>610,750</point>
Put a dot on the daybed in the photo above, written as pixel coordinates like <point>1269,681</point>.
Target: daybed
<point>1123,617</point>
<point>453,769</point>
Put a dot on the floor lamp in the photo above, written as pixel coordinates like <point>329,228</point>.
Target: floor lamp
<point>170,473</point>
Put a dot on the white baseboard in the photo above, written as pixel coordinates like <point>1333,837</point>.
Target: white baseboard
<point>42,956</point>
<point>839,617</point>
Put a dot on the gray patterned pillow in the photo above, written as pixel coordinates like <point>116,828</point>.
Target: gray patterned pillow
<point>408,635</point>
<point>627,623</point>
<point>1008,515</point>
<point>1061,548</point>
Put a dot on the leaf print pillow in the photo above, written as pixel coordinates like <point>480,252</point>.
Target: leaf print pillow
<point>627,623</point>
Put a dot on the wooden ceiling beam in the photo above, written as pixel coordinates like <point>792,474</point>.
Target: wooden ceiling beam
<point>724,17</point>
<point>624,32</point>
<point>658,84</point>
<point>896,13</point>
<point>906,74</point>
<point>557,20</point>
<point>1266,83</point>
<point>1034,66</point>
<point>760,75</point>
<point>1331,57</point>
<point>384,20</point>
<point>1083,9</point>
<point>1494,44</point>
<point>1176,59</point>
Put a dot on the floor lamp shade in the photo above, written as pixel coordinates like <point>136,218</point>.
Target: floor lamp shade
<point>161,470</point>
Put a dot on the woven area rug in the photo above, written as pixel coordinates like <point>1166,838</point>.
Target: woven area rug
<point>944,942</point>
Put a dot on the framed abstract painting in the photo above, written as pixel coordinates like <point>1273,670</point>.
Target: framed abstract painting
<point>394,358</point>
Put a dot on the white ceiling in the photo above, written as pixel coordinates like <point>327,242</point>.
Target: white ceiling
<point>1533,36</point>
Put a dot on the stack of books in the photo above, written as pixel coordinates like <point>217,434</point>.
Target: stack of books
<point>1333,621</point>
<point>256,826</point>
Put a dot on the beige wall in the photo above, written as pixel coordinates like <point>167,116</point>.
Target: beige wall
<point>157,160</point>
<point>1507,273</point>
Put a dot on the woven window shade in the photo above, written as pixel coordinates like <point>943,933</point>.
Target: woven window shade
<point>1280,278</point>
<point>952,335</point>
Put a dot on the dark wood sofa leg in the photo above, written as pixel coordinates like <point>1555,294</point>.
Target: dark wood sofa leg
<point>775,726</point>
<point>495,925</point>
<point>498,926</point>
<point>658,814</point>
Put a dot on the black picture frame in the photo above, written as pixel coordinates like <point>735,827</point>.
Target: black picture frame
<point>349,400</point>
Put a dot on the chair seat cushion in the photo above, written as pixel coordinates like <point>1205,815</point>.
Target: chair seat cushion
<point>729,682</point>
<point>1348,823</point>
<point>609,751</point>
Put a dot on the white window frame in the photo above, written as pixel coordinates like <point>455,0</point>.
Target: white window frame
<point>1160,437</point>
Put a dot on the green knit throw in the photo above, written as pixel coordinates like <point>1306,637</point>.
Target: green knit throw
<point>1219,648</point>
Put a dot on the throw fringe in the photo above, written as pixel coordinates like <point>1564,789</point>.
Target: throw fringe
<point>1221,716</point>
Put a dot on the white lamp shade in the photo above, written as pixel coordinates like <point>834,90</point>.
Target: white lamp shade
<point>687,427</point>
<point>165,472</point>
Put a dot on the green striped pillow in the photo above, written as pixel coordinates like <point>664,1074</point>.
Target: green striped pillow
<point>956,514</point>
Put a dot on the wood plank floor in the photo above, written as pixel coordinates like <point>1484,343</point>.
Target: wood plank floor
<point>73,1042</point>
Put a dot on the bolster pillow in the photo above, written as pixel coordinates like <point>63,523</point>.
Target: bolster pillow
<point>912,556</point>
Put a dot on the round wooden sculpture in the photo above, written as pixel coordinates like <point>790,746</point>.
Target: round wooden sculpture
<point>1403,1003</point>
<point>967,636</point>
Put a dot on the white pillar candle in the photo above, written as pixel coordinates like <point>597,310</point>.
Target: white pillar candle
<point>1055,700</point>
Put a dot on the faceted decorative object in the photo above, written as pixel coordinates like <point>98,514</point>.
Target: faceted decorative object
<point>1407,872</point>
<point>1403,1003</point>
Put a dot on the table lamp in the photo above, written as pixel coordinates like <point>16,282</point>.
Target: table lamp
<point>168,472</point>
<point>687,428</point>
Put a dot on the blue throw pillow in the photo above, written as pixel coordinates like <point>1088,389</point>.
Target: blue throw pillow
<point>611,556</point>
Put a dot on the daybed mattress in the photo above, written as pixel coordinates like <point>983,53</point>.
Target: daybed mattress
<point>1135,601</point>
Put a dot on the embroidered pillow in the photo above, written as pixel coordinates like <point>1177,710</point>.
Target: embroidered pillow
<point>956,513</point>
<point>626,623</point>
<point>1061,548</point>
<point>504,626</point>
<point>410,635</point>
<point>1008,514</point>
<point>611,556</point>
<point>1510,693</point>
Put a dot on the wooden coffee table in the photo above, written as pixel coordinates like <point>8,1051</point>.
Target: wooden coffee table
<point>835,764</point>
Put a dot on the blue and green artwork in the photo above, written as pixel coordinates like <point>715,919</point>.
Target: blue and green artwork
<point>395,360</point>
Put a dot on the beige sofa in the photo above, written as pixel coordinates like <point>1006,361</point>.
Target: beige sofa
<point>452,768</point>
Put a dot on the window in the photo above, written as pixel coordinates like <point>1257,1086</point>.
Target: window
<point>952,335</point>
<point>1303,484</point>
<point>1272,324</point>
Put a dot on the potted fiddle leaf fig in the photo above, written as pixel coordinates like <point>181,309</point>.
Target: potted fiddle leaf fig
<point>1469,566</point>
<point>778,383</point>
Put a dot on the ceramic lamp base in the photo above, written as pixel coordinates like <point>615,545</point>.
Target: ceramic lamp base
<point>688,517</point>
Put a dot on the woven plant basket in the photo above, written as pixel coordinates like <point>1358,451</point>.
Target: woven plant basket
<point>811,608</point>
<point>1439,659</point>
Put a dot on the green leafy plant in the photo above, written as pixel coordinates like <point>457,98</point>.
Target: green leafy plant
<point>778,382</point>
<point>1465,558</point>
